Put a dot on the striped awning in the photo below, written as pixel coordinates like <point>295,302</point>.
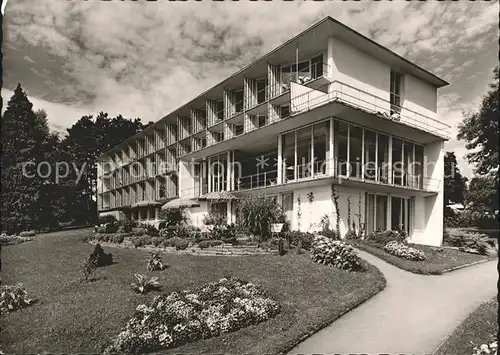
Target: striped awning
<point>218,196</point>
<point>179,203</point>
<point>145,204</point>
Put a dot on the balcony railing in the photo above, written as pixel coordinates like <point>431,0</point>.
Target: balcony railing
<point>357,98</point>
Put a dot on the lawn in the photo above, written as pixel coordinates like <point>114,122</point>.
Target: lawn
<point>436,262</point>
<point>74,317</point>
<point>477,329</point>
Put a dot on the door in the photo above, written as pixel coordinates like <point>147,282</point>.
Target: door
<point>287,205</point>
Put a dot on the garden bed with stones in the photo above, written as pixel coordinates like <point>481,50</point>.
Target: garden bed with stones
<point>223,249</point>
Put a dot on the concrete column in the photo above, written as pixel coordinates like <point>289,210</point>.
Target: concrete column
<point>209,176</point>
<point>331,154</point>
<point>228,172</point>
<point>389,212</point>
<point>280,159</point>
<point>389,170</point>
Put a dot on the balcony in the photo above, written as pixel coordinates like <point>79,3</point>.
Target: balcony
<point>341,173</point>
<point>304,100</point>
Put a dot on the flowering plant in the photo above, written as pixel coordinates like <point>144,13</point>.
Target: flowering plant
<point>484,349</point>
<point>171,320</point>
<point>334,253</point>
<point>13,298</point>
<point>404,251</point>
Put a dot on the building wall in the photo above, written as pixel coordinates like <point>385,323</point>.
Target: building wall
<point>311,213</point>
<point>364,73</point>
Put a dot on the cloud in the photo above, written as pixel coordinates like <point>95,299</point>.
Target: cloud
<point>146,59</point>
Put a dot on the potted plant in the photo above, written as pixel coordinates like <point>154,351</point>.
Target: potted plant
<point>280,220</point>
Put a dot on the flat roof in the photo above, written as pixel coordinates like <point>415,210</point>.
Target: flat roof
<point>309,39</point>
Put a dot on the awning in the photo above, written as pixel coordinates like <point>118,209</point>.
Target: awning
<point>179,203</point>
<point>218,196</point>
<point>145,204</point>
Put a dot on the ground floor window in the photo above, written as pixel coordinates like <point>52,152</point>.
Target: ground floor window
<point>144,213</point>
<point>399,210</point>
<point>219,209</point>
<point>152,212</point>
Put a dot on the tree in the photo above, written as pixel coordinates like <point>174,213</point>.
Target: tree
<point>480,131</point>
<point>87,139</point>
<point>454,183</point>
<point>482,196</point>
<point>23,142</point>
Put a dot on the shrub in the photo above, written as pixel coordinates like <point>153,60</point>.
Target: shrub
<point>330,234</point>
<point>351,234</point>
<point>171,320</point>
<point>145,283</point>
<point>182,232</point>
<point>13,297</point>
<point>209,243</point>
<point>467,241</point>
<point>381,238</point>
<point>151,230</point>
<point>155,241</point>
<point>119,238</point>
<point>296,237</point>
<point>404,251</point>
<point>126,226</point>
<point>224,232</point>
<point>88,268</point>
<point>27,234</point>
<point>155,262</point>
<point>172,217</point>
<point>256,214</point>
<point>140,232</point>
<point>165,233</point>
<point>101,257</point>
<point>181,244</point>
<point>335,253</point>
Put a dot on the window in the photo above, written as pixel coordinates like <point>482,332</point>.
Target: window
<point>152,213</point>
<point>317,67</point>
<point>288,154</point>
<point>238,129</point>
<point>355,153</point>
<point>219,107</point>
<point>321,133</point>
<point>383,158</point>
<point>144,213</point>
<point>341,147</point>
<point>238,101</point>
<point>219,209</point>
<point>370,150</point>
<point>262,120</point>
<point>284,111</point>
<point>396,91</point>
<point>261,90</point>
<point>304,158</point>
<point>397,161</point>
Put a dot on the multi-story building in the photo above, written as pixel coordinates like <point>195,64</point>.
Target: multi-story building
<point>330,123</point>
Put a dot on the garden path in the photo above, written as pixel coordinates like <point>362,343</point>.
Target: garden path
<point>412,315</point>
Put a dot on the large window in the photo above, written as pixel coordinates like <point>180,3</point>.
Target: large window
<point>218,168</point>
<point>340,132</point>
<point>370,152</point>
<point>288,156</point>
<point>407,163</point>
<point>317,66</point>
<point>383,158</point>
<point>396,91</point>
<point>304,158</point>
<point>321,139</point>
<point>419,165</point>
<point>355,152</point>
<point>397,161</point>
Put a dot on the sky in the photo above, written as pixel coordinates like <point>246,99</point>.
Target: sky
<point>145,60</point>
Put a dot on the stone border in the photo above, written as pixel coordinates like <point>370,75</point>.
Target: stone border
<point>220,250</point>
<point>467,265</point>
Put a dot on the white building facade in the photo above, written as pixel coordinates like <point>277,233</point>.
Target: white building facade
<point>330,124</point>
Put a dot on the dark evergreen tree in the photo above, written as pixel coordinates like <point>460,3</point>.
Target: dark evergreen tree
<point>23,138</point>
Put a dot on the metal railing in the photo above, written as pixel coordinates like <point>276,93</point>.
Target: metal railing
<point>357,98</point>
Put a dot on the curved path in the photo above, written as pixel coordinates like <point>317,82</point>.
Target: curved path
<point>412,315</point>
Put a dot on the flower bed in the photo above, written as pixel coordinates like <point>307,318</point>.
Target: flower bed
<point>404,251</point>
<point>334,253</point>
<point>174,319</point>
<point>12,239</point>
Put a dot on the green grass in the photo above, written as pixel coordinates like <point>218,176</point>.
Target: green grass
<point>75,317</point>
<point>477,329</point>
<point>435,263</point>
